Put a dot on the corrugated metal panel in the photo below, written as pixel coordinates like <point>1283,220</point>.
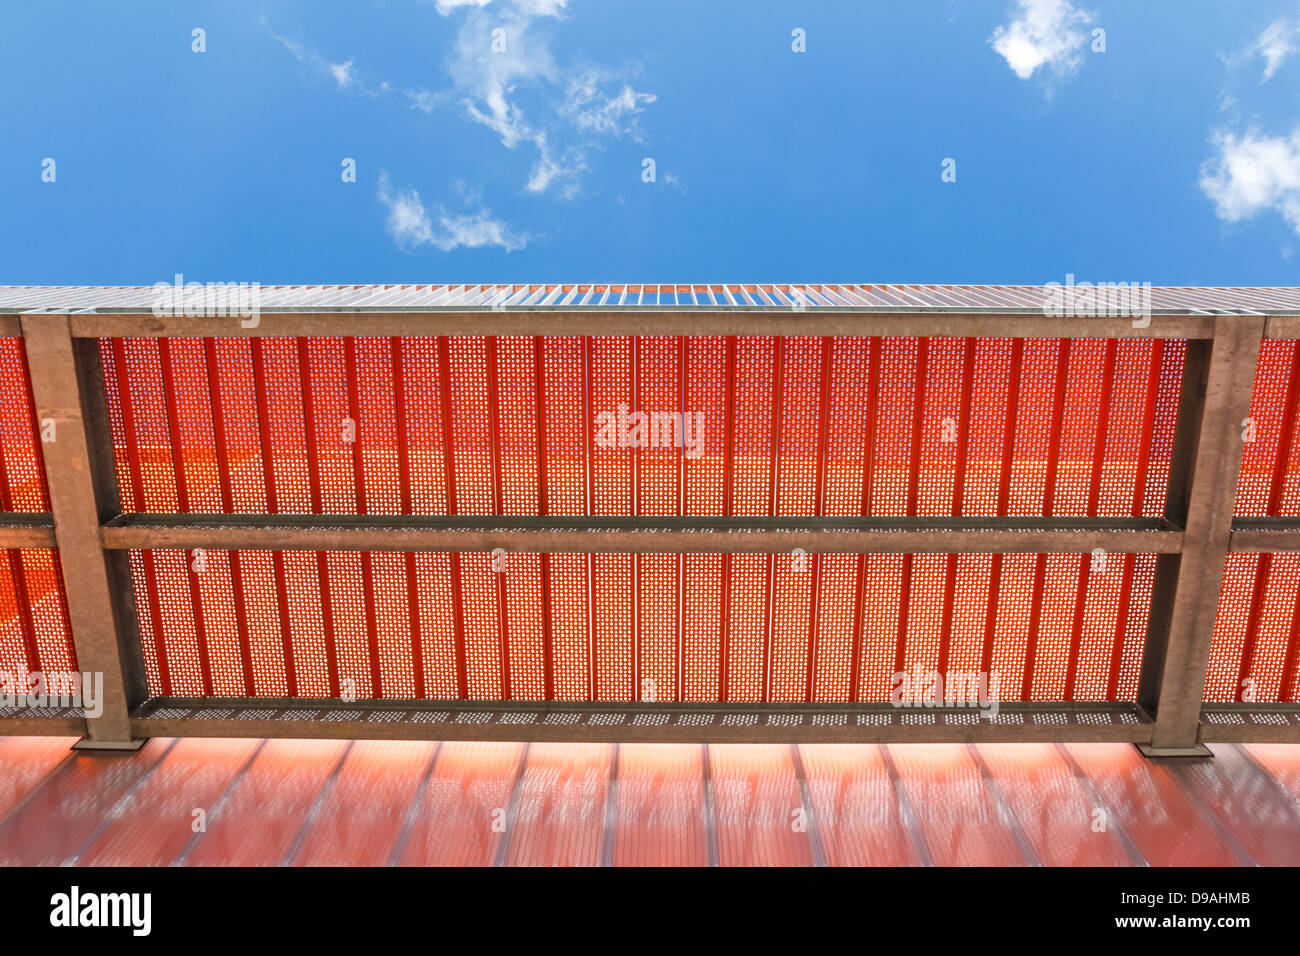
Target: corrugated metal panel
<point>368,802</point>
<point>705,296</point>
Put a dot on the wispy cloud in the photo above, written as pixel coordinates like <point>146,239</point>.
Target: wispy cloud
<point>1253,173</point>
<point>412,225</point>
<point>1278,41</point>
<point>1045,34</point>
<point>596,102</point>
<point>341,73</point>
<point>446,6</point>
<point>504,76</point>
<point>502,55</point>
<point>500,73</point>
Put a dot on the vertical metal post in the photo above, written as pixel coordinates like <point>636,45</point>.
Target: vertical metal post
<point>1218,380</point>
<point>68,388</point>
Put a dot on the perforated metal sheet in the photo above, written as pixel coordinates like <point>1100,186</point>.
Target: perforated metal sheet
<point>600,664</point>
<point>798,426</point>
<point>33,621</point>
<point>1255,655</point>
<point>34,634</point>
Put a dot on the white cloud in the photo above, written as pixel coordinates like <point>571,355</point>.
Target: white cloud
<point>1275,44</point>
<point>500,61</point>
<point>542,8</point>
<point>447,6</point>
<point>502,57</point>
<point>1254,173</point>
<point>342,73</point>
<point>412,225</point>
<point>1045,33</point>
<point>592,108</point>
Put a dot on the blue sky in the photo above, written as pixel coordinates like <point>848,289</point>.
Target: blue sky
<point>1171,157</point>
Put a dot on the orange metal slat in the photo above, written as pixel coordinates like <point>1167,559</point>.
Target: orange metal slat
<point>559,814</point>
<point>659,815</point>
<point>761,819</point>
<point>28,762</point>
<point>1059,818</point>
<point>264,810</point>
<point>855,807</point>
<point>158,820</point>
<point>53,826</point>
<point>360,817</point>
<point>1254,810</point>
<point>1130,784</point>
<point>461,820</point>
<point>955,816</point>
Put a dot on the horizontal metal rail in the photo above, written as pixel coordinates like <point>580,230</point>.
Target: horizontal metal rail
<point>43,722</point>
<point>645,535</point>
<point>26,530</point>
<point>1265,535</point>
<point>1251,723</point>
<point>635,722</point>
<point>680,722</point>
<point>653,535</point>
<point>814,321</point>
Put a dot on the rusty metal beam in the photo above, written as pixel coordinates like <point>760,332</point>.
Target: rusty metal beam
<point>1282,327</point>
<point>627,722</point>
<point>26,530</point>
<point>1218,380</point>
<point>1254,723</point>
<point>64,724</point>
<point>68,388</point>
<point>703,321</point>
<point>1265,535</point>
<point>640,535</point>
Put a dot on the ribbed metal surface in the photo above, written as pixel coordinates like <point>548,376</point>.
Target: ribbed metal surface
<point>890,298</point>
<point>425,803</point>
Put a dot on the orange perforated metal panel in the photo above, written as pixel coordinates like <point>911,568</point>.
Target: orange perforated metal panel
<point>34,635</point>
<point>1255,655</point>
<point>675,650</point>
<point>803,426</point>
